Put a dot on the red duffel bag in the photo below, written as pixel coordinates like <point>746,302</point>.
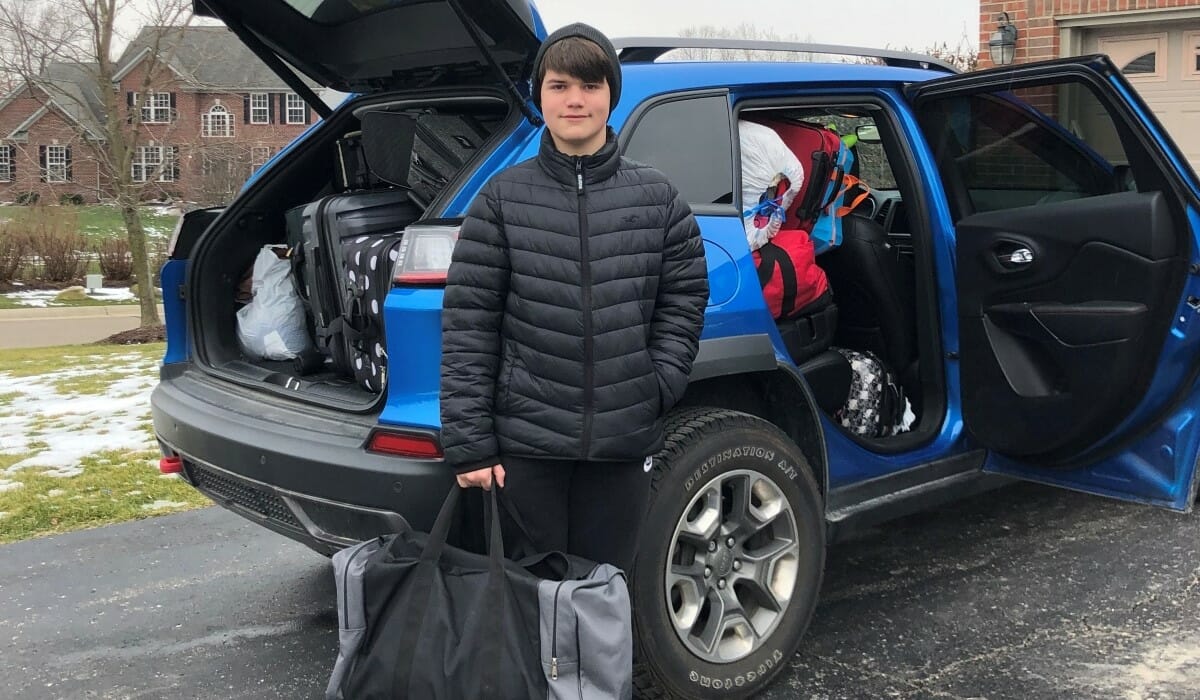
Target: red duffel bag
<point>788,273</point>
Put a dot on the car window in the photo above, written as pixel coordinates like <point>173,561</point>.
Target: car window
<point>870,160</point>
<point>690,141</point>
<point>1027,146</point>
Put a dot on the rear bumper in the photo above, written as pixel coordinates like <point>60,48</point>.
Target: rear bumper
<point>298,470</point>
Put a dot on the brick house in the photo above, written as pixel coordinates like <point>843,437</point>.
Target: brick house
<point>47,135</point>
<point>208,119</point>
<point>1156,43</point>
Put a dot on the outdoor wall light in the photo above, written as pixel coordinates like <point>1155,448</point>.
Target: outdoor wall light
<point>1003,44</point>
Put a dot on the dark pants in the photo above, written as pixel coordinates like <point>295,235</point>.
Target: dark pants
<point>590,509</point>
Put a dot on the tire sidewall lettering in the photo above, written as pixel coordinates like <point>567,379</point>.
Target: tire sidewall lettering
<point>766,454</point>
<point>740,680</point>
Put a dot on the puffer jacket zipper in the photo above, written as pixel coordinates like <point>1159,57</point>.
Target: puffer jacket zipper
<point>586,270</point>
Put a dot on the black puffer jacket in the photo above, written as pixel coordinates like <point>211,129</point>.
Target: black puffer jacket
<point>547,356</point>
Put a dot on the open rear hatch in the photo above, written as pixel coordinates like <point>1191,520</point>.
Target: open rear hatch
<point>367,46</point>
<point>444,73</point>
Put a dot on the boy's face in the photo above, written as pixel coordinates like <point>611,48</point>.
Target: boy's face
<point>576,112</point>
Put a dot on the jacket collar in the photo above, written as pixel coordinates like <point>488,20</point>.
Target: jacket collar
<point>599,166</point>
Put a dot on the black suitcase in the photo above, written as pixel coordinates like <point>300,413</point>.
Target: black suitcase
<point>337,281</point>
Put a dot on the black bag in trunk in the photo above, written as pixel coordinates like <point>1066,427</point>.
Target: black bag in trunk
<point>378,155</point>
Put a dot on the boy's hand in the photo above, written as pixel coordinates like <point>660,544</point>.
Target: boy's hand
<point>482,478</point>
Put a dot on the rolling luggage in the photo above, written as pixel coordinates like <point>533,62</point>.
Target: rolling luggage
<point>342,254</point>
<point>343,247</point>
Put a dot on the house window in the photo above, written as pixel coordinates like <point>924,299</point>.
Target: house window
<point>1142,65</point>
<point>1140,58</point>
<point>259,155</point>
<point>216,123</point>
<point>6,163</point>
<point>260,109</point>
<point>154,163</point>
<point>156,109</point>
<point>57,166</point>
<point>295,109</point>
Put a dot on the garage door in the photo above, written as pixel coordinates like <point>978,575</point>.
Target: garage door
<point>1163,63</point>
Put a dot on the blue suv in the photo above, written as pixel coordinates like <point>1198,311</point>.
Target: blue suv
<point>1027,263</point>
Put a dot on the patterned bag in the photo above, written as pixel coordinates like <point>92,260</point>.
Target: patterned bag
<point>876,405</point>
<point>367,265</point>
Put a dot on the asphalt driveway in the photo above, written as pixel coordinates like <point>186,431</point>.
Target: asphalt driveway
<point>1022,593</point>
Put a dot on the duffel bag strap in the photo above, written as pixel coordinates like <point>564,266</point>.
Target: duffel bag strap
<point>493,636</point>
<point>774,256</point>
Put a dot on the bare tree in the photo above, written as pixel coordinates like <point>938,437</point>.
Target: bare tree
<point>744,30</point>
<point>36,35</point>
<point>223,169</point>
<point>963,56</point>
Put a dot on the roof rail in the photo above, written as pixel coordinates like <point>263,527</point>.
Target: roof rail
<point>650,49</point>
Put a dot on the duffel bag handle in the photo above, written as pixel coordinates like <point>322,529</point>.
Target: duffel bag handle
<point>441,530</point>
<point>490,665</point>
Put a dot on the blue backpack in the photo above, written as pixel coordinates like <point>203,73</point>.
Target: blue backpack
<point>826,230</point>
<point>821,202</point>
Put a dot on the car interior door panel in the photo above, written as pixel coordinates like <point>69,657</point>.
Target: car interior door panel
<point>1071,325</point>
<point>1064,302</point>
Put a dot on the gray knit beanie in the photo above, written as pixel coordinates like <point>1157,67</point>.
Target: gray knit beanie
<point>596,37</point>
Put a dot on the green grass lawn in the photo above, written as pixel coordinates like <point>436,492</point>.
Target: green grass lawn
<point>114,487</point>
<point>99,222</point>
<point>101,484</point>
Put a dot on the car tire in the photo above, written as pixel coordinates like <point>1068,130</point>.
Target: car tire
<point>710,458</point>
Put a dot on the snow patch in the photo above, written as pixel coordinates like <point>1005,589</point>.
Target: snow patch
<point>162,505</point>
<point>1171,661</point>
<point>45,297</point>
<point>55,492</point>
<point>7,485</point>
<point>66,424</point>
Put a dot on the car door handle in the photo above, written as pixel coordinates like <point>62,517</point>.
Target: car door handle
<point>1017,258</point>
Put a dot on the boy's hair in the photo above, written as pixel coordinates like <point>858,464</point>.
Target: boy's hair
<point>576,57</point>
<point>580,51</point>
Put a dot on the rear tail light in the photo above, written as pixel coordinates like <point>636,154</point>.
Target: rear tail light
<point>424,255</point>
<point>170,465</point>
<point>405,445</point>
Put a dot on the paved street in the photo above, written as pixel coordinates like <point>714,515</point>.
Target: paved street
<point>44,327</point>
<point>1024,593</point>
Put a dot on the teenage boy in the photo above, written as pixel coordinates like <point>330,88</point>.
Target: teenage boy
<point>572,314</point>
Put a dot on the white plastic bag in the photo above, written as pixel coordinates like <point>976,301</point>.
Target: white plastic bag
<point>766,160</point>
<point>272,326</point>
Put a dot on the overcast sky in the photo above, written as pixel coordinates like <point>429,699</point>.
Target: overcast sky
<point>873,23</point>
<point>894,24</point>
